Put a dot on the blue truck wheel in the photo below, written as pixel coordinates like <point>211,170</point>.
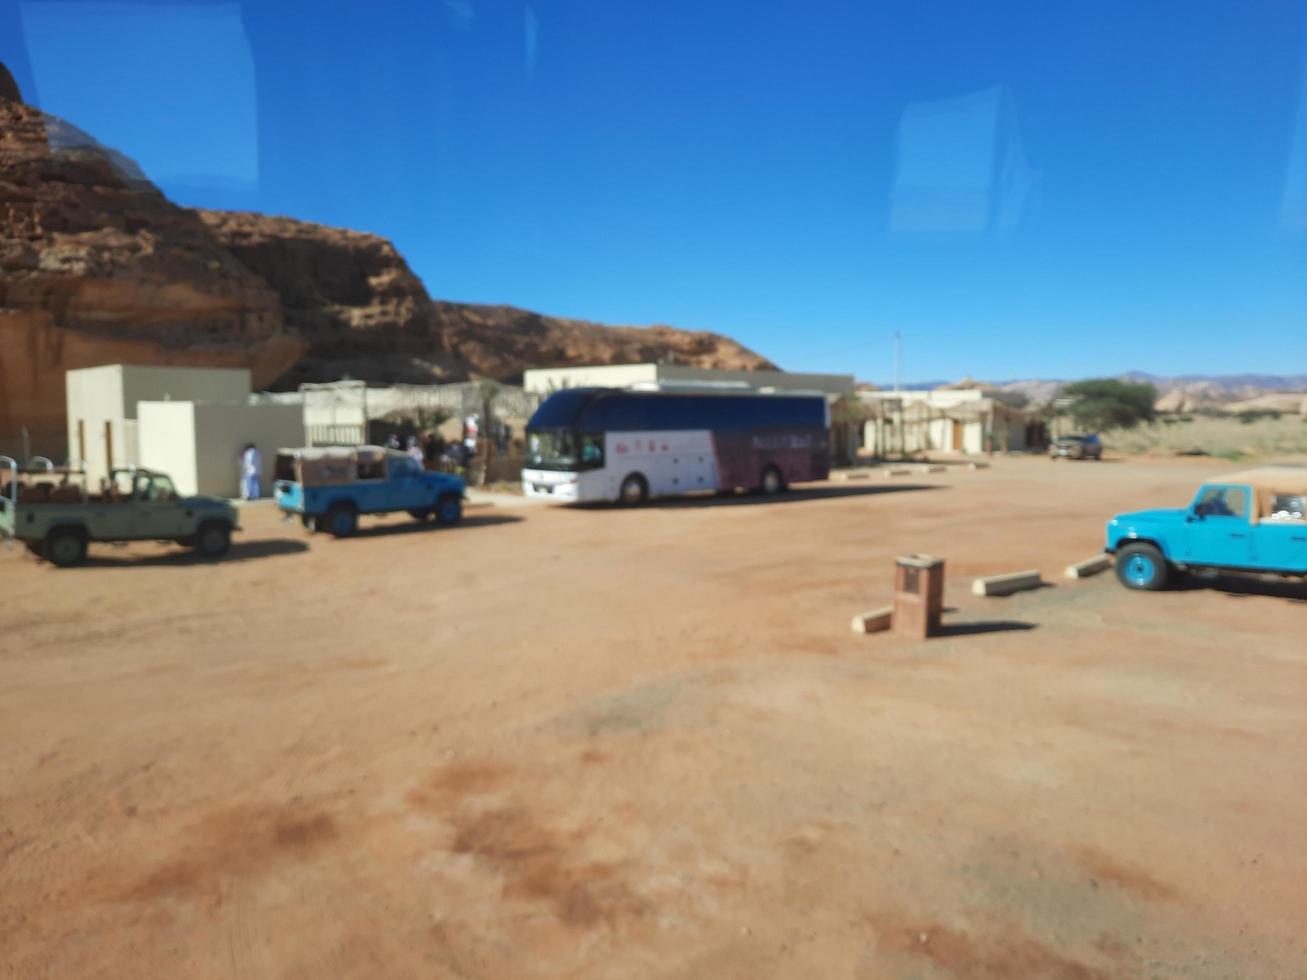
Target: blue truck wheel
<point>449,509</point>
<point>342,521</point>
<point>1141,566</point>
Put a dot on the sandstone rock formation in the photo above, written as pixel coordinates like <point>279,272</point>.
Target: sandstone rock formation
<point>97,267</point>
<point>363,312</point>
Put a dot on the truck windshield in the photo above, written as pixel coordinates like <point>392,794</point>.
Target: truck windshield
<point>551,449</point>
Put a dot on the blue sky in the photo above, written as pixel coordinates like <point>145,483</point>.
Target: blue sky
<point>1021,189</point>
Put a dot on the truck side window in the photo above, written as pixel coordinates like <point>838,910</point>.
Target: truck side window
<point>1223,502</point>
<point>1288,507</point>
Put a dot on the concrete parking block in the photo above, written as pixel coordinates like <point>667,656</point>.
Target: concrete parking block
<point>1090,566</point>
<point>1007,584</point>
<point>875,621</point>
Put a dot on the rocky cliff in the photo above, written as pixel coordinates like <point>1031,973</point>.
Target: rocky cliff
<point>97,266</point>
<point>362,311</point>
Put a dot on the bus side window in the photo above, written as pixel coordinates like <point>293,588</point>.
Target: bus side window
<point>592,450</point>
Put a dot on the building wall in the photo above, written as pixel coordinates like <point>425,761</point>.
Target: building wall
<point>934,436</point>
<point>166,433</point>
<point>1012,425</point>
<point>155,384</point>
<point>987,424</point>
<point>545,380</point>
<point>108,396</point>
<point>94,400</point>
<point>830,384</point>
<point>199,444</point>
<point>222,431</point>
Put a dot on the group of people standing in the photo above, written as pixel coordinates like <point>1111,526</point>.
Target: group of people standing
<point>432,448</point>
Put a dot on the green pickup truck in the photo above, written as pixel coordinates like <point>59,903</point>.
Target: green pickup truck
<point>51,512</point>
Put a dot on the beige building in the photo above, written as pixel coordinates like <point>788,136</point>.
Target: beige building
<point>948,420</point>
<point>545,380</point>
<point>199,444</point>
<point>101,404</point>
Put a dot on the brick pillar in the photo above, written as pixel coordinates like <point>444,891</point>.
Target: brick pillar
<point>918,595</point>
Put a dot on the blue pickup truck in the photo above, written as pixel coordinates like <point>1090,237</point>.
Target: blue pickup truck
<point>328,488</point>
<point>1251,521</point>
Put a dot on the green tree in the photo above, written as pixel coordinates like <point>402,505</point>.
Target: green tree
<point>1108,403</point>
<point>489,390</point>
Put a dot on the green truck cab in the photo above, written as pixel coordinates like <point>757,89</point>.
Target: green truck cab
<point>52,513</point>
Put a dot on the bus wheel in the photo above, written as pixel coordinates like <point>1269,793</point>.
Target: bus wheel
<point>634,491</point>
<point>772,481</point>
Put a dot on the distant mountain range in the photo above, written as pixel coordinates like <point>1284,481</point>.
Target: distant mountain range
<point>1227,382</point>
<point>1177,393</point>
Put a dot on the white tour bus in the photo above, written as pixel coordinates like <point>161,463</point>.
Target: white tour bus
<point>587,444</point>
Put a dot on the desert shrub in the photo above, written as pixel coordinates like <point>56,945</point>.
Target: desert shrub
<point>1108,403</point>
<point>1250,415</point>
<point>1218,436</point>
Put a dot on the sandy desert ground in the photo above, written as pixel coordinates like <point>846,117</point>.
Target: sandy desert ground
<point>643,743</point>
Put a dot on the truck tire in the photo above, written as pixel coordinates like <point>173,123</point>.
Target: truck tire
<point>213,539</point>
<point>772,482</point>
<point>342,520</point>
<point>633,491</point>
<point>65,546</point>
<point>1141,566</point>
<point>449,509</point>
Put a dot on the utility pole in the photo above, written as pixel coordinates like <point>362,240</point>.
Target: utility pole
<point>898,360</point>
<point>898,370</point>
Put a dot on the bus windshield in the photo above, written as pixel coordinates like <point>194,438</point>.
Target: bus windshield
<point>551,449</point>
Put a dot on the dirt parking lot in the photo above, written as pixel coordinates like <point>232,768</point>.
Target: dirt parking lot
<point>611,743</point>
